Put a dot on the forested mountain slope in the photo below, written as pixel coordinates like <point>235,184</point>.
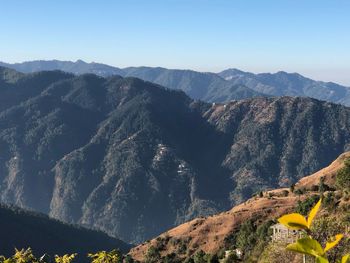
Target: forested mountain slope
<point>22,229</point>
<point>133,159</point>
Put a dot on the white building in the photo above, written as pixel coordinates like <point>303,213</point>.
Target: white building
<point>284,234</point>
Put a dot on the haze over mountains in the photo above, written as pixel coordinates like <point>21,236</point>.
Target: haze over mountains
<point>133,159</point>
<point>227,85</point>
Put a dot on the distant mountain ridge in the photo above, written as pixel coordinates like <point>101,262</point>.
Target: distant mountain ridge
<point>230,84</point>
<point>22,229</point>
<point>289,84</point>
<point>110,152</point>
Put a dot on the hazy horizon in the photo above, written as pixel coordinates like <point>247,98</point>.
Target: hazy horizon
<point>203,71</point>
<point>256,36</point>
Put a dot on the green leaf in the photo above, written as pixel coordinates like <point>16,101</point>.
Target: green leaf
<point>313,213</point>
<point>333,243</point>
<point>307,246</point>
<point>294,221</point>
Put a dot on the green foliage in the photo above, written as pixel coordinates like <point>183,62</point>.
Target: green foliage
<point>171,258</point>
<point>200,257</point>
<point>213,258</point>
<point>305,206</point>
<point>231,258</point>
<point>263,231</point>
<point>308,245</point>
<point>152,255</point>
<point>246,238</point>
<point>329,200</point>
<point>275,252</point>
<point>343,176</point>
<point>299,191</point>
<point>324,228</point>
<point>322,186</point>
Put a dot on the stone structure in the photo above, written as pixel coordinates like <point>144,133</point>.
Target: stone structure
<point>283,234</point>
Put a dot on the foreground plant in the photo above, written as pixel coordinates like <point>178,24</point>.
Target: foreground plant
<point>105,257</point>
<point>20,256</point>
<point>26,256</point>
<point>308,245</point>
<point>65,258</point>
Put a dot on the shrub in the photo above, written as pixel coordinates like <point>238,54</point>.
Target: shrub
<point>305,206</point>
<point>152,255</point>
<point>315,188</point>
<point>299,191</point>
<point>199,257</point>
<point>292,187</point>
<point>343,176</point>
<point>232,257</point>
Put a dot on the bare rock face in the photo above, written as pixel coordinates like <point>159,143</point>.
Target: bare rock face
<point>134,159</point>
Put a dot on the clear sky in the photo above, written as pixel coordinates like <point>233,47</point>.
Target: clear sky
<point>311,37</point>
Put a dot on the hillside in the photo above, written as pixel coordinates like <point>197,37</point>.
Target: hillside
<point>230,84</point>
<point>109,152</point>
<point>212,233</point>
<point>23,229</point>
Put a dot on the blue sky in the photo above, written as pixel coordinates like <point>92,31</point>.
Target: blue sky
<point>307,36</point>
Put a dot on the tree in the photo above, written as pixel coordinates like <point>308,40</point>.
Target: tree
<point>292,187</point>
<point>245,239</point>
<point>213,258</point>
<point>231,258</point>
<point>322,186</point>
<point>152,255</point>
<point>343,176</point>
<point>199,257</point>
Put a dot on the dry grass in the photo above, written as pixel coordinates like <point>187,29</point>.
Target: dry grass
<point>209,233</point>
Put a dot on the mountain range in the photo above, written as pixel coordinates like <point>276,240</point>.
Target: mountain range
<point>132,158</point>
<point>231,84</point>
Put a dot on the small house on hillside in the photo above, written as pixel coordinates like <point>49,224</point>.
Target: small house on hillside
<point>237,252</point>
<point>283,234</point>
